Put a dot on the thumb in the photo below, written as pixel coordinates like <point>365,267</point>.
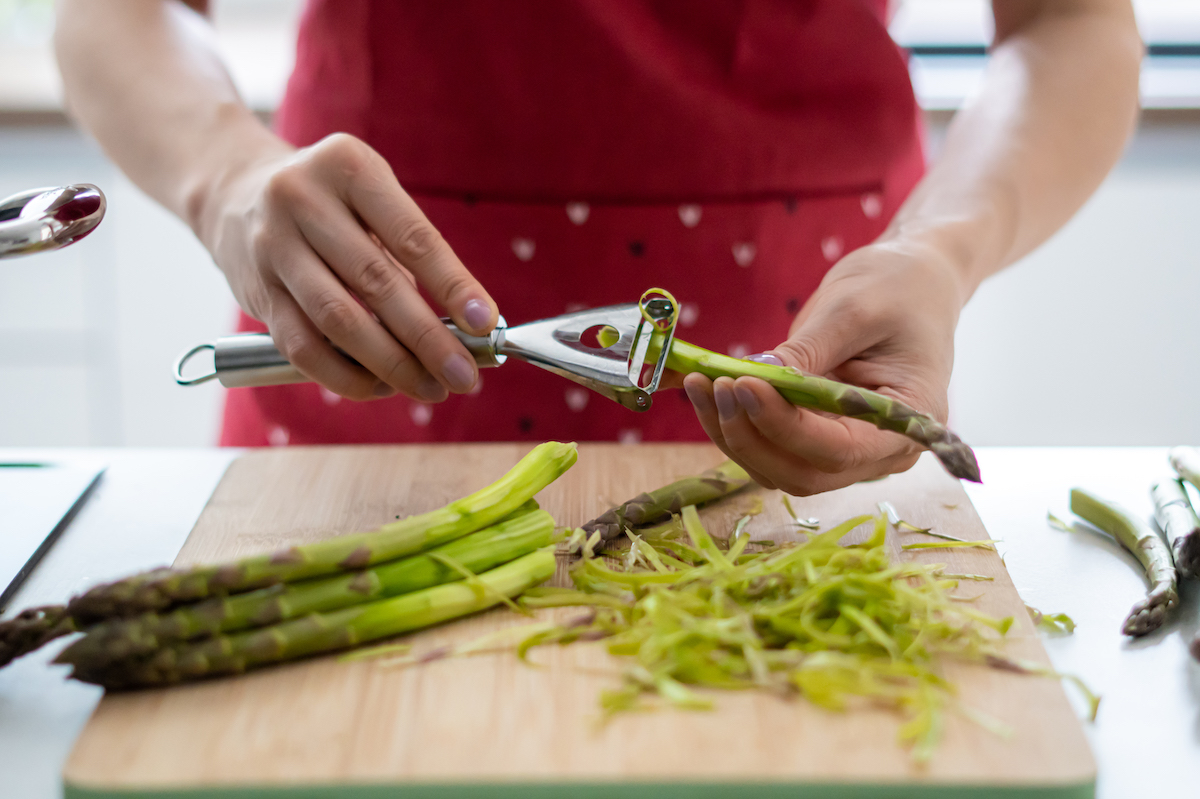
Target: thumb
<point>823,341</point>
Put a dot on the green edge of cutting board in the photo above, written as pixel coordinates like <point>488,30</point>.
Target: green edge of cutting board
<point>613,790</point>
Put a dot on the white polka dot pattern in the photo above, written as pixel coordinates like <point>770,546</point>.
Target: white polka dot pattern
<point>689,312</point>
<point>421,414</point>
<point>523,248</point>
<point>578,213</point>
<point>577,398</point>
<point>278,437</point>
<point>744,252</point>
<point>630,437</point>
<point>328,397</point>
<point>831,248</point>
<point>575,307</point>
<point>689,214</point>
<point>739,350</point>
<point>872,205</point>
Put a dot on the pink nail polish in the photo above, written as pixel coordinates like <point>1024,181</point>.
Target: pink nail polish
<point>477,313</point>
<point>765,357</point>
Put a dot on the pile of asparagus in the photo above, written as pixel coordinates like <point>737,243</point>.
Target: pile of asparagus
<point>170,625</point>
<point>1163,564</point>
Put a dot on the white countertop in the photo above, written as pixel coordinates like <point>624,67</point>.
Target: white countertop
<point>1146,739</point>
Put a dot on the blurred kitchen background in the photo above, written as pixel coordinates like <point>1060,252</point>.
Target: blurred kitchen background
<point>1091,340</point>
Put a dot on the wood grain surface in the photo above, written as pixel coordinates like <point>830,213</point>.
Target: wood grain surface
<point>488,721</point>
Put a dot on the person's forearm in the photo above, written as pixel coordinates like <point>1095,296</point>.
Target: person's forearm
<point>1059,102</point>
<point>144,78</point>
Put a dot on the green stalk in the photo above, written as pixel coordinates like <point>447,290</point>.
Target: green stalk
<point>162,588</point>
<point>323,632</point>
<point>1145,545</point>
<point>120,639</point>
<point>823,394</point>
<point>1178,520</point>
<point>720,481</point>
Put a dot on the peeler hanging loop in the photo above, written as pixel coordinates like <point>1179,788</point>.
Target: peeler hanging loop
<point>182,360</point>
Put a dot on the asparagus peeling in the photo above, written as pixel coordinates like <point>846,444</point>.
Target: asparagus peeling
<point>160,589</point>
<point>823,394</point>
<point>819,393</point>
<point>121,639</point>
<point>653,506</point>
<point>1145,545</point>
<point>317,633</point>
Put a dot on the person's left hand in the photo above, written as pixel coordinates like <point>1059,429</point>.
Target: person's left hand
<point>883,318</point>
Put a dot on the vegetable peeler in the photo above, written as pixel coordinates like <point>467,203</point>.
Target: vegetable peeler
<point>604,349</point>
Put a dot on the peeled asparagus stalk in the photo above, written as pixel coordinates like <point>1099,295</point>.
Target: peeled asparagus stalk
<point>322,632</point>
<point>660,503</point>
<point>163,588</point>
<point>121,639</point>
<point>823,394</point>
<point>1147,546</point>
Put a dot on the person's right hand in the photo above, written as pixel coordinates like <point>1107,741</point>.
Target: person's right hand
<point>324,246</point>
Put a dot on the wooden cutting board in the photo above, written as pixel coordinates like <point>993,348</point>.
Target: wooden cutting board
<point>489,725</point>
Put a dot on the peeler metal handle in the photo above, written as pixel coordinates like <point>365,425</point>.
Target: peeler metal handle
<point>613,364</point>
<point>47,219</point>
<point>252,359</point>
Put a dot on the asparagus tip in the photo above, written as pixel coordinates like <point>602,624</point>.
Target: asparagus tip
<point>31,629</point>
<point>1187,555</point>
<point>959,460</point>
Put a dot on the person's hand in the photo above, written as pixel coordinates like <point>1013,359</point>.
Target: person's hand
<point>883,318</point>
<point>324,246</point>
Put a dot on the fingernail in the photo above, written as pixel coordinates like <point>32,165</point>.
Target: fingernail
<point>477,313</point>
<point>384,390</point>
<point>747,399</point>
<point>726,402</point>
<point>458,373</point>
<point>764,357</point>
<point>698,397</point>
<point>431,390</point>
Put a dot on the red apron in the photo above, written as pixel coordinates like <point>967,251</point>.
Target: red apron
<point>577,152</point>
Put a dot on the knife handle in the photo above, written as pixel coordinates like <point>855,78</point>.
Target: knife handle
<point>252,359</point>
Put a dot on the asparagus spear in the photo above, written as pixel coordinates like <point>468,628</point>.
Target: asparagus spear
<point>32,629</point>
<point>660,503</point>
<point>160,589</point>
<point>322,632</point>
<point>120,639</point>
<point>1147,546</point>
<point>1177,519</point>
<point>823,394</point>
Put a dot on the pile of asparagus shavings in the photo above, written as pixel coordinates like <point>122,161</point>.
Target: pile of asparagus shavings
<point>836,624</point>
